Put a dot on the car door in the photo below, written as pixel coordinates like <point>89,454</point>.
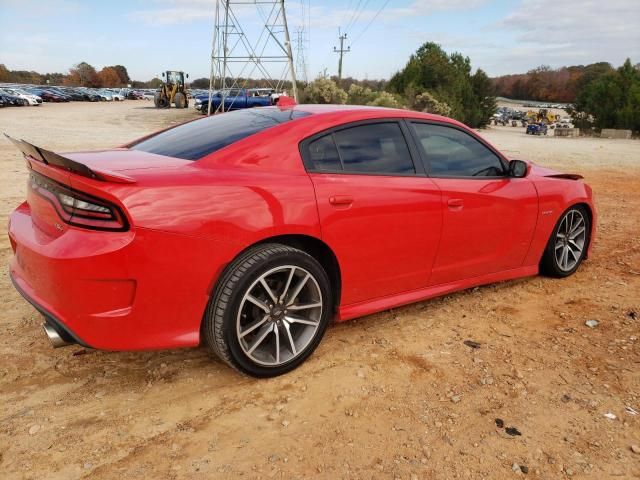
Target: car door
<point>235,100</point>
<point>379,212</point>
<point>488,217</point>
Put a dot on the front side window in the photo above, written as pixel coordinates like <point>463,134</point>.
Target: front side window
<point>377,148</point>
<point>454,153</point>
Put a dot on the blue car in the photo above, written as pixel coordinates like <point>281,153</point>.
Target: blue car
<point>536,129</point>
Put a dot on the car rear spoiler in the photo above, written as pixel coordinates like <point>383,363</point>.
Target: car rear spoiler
<point>51,158</point>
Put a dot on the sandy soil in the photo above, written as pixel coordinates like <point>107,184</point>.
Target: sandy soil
<point>392,395</point>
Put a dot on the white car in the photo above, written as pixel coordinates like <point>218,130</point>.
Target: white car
<point>118,96</point>
<point>32,99</point>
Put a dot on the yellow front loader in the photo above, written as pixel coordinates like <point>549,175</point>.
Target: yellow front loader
<point>173,91</point>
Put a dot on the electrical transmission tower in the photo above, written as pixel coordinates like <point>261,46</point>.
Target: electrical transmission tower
<point>301,60</point>
<point>302,42</point>
<point>237,56</point>
<point>341,51</point>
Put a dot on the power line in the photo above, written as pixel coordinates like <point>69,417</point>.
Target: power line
<point>346,12</point>
<point>353,15</point>
<point>364,6</point>
<point>370,22</point>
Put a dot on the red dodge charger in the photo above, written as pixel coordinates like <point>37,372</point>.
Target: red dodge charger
<point>250,231</point>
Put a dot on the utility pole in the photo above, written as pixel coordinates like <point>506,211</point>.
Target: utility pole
<point>341,51</point>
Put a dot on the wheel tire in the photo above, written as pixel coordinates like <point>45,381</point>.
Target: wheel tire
<point>179,100</point>
<point>220,328</point>
<point>549,265</point>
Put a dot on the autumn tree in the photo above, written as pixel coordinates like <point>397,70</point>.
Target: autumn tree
<point>5,75</point>
<point>83,75</point>
<point>109,77</point>
<point>122,74</point>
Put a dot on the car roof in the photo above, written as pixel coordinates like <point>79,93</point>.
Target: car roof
<point>350,113</point>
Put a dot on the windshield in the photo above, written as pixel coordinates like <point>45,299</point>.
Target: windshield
<point>194,140</point>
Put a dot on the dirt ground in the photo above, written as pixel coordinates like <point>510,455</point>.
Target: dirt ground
<point>392,395</point>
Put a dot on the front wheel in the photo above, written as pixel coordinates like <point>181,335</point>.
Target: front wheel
<point>180,100</point>
<point>270,311</point>
<point>568,244</point>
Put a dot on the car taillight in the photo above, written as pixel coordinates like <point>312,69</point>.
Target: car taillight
<point>78,208</point>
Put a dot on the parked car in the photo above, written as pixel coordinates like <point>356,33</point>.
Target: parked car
<point>47,95</point>
<point>105,95</point>
<point>30,98</point>
<point>14,100</point>
<point>149,95</point>
<point>65,94</point>
<point>536,129</point>
<point>250,231</point>
<point>4,101</point>
<point>88,94</point>
<point>118,96</point>
<point>135,95</point>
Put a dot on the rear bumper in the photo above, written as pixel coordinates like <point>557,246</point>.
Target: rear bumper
<point>133,290</point>
<point>62,330</point>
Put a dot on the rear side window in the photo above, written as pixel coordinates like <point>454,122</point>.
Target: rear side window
<point>378,148</point>
<point>324,154</point>
<point>194,140</point>
<point>453,153</point>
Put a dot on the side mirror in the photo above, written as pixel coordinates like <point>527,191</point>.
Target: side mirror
<point>518,169</point>
<point>162,74</point>
<point>187,75</point>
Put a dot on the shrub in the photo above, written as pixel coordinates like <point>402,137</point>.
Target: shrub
<point>323,90</point>
<point>385,99</point>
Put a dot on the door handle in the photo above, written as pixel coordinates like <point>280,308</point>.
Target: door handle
<point>341,200</point>
<point>455,203</point>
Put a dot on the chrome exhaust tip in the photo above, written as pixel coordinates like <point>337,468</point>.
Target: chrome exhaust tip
<point>54,337</point>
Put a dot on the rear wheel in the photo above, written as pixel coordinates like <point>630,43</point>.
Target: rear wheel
<point>270,311</point>
<point>568,244</point>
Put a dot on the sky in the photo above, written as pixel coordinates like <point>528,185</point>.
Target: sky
<point>150,36</point>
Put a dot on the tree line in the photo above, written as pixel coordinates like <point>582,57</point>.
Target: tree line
<point>80,75</point>
<point>431,81</point>
<point>560,85</point>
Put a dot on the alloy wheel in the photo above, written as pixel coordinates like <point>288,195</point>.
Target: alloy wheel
<point>571,239</point>
<point>279,315</point>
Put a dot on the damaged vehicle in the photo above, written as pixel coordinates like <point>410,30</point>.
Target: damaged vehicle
<point>249,232</point>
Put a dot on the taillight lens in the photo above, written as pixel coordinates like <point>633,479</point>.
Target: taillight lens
<point>78,208</point>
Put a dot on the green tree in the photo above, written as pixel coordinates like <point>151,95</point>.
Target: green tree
<point>448,80</point>
<point>609,100</point>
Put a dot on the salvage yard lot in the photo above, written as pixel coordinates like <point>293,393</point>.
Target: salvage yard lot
<point>393,395</point>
